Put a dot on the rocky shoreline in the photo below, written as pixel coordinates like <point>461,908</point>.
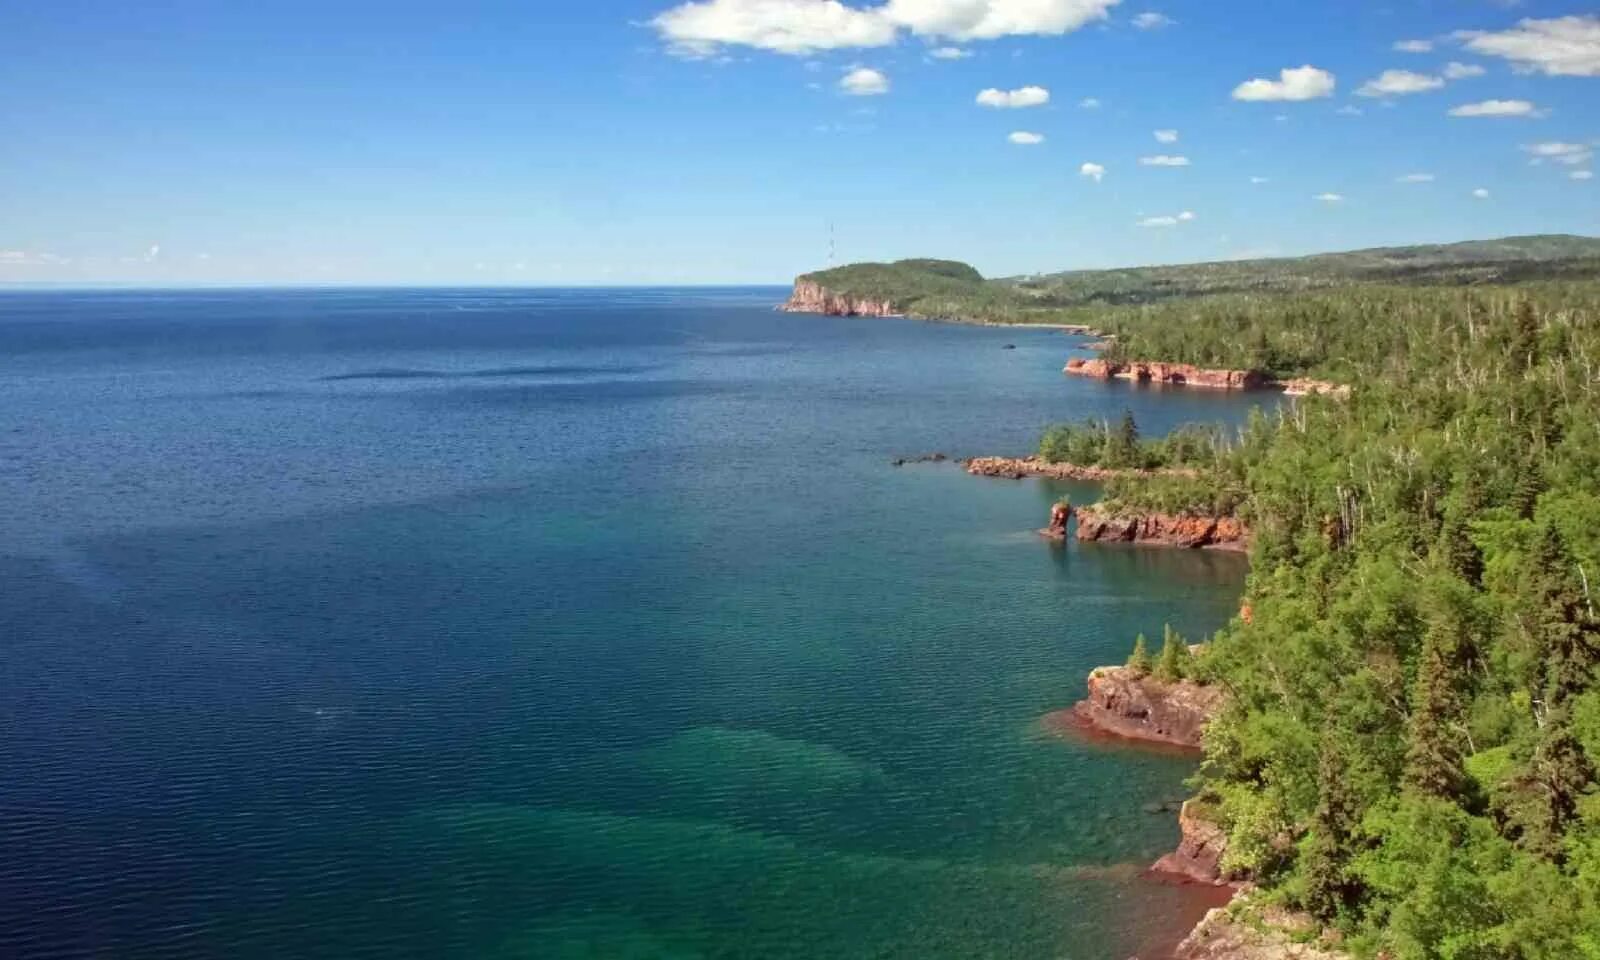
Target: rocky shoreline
<point>1098,524</point>
<point>1189,375</point>
<point>1017,468</point>
<point>811,297</point>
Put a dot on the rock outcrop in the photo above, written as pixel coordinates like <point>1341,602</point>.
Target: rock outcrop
<point>1096,524</point>
<point>1177,374</point>
<point>1060,515</point>
<point>1245,930</point>
<point>1127,703</point>
<point>1189,375</point>
<point>811,297</point>
<point>1199,854</point>
<point>1016,468</point>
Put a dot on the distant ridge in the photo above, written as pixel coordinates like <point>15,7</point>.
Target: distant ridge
<point>947,288</point>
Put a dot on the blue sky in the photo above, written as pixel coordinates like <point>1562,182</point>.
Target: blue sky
<point>657,141</point>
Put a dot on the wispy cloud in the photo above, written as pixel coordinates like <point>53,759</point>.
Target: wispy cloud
<point>1163,160</point>
<point>1581,175</point>
<point>1152,21</point>
<point>1298,83</point>
<point>1496,108</point>
<point>1026,138</point>
<point>1329,197</point>
<point>1166,136</point>
<point>1398,83</point>
<point>949,53</point>
<point>1480,194</point>
<point>1415,178</point>
<point>1089,103</point>
<point>1414,46</point>
<point>1564,46</point>
<point>1014,99</point>
<point>1571,154</point>
<point>1173,221</point>
<point>1455,70</point>
<point>1093,171</point>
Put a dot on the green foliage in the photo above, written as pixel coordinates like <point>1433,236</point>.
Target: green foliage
<point>1177,660</point>
<point>1139,660</point>
<point>1412,741</point>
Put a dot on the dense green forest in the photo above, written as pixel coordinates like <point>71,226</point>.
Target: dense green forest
<point>952,290</point>
<point>1413,732</point>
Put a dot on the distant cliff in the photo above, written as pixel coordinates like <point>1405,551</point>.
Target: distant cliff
<point>1189,375</point>
<point>812,297</point>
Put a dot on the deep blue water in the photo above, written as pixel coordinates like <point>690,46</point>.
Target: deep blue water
<point>353,623</point>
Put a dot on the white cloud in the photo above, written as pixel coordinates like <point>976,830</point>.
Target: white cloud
<point>1162,160</point>
<point>23,258</point>
<point>1349,110</point>
<point>1581,175</point>
<point>1329,197</point>
<point>1570,154</point>
<point>949,53</point>
<point>1089,103</point>
<point>864,82</point>
<point>1415,178</point>
<point>988,19</point>
<point>1395,83</point>
<point>1183,217</point>
<point>1414,46</point>
<point>1153,21</point>
<point>1166,136</point>
<point>1024,138</point>
<point>701,27</point>
<point>1564,46</point>
<point>1480,194</point>
<point>154,252</point>
<point>1455,70</point>
<point>1299,83</point>
<point>1093,171</point>
<point>1495,108</point>
<point>1259,180</point>
<point>1014,99</point>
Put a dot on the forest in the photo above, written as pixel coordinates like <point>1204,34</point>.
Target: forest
<point>1412,737</point>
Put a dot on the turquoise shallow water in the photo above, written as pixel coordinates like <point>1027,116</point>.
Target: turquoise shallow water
<point>557,624</point>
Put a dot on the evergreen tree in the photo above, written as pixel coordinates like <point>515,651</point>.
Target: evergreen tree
<point>1330,888</point>
<point>1176,661</point>
<point>1139,660</point>
<point>1434,747</point>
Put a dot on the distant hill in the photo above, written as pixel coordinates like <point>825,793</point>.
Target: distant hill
<point>946,288</point>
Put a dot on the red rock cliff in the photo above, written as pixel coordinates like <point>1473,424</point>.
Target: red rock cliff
<point>1159,529</point>
<point>1199,854</point>
<point>810,297</point>
<point>1178,374</point>
<point>1138,706</point>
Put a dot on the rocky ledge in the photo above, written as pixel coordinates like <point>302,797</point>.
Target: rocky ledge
<point>1189,375</point>
<point>1246,930</point>
<point>1016,468</point>
<point>1095,524</point>
<point>1137,706</point>
<point>811,297</point>
<point>1198,858</point>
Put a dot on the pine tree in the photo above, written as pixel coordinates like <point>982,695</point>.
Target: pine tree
<point>1456,552</point>
<point>1122,444</point>
<point>1139,660</point>
<point>1330,888</point>
<point>1434,747</point>
<point>1525,338</point>
<point>1530,483</point>
<point>1176,660</point>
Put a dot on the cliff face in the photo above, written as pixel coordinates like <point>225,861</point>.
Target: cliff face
<point>1160,529</point>
<point>1177,374</point>
<point>1140,707</point>
<point>811,297</point>
<point>1199,854</point>
<point>1189,375</point>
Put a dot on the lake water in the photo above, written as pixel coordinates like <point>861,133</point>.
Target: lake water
<point>503,624</point>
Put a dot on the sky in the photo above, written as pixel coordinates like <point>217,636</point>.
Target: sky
<point>746,141</point>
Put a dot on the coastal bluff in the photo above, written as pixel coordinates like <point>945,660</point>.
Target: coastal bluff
<point>812,297</point>
<point>1099,524</point>
<point>1133,705</point>
<point>1189,375</point>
